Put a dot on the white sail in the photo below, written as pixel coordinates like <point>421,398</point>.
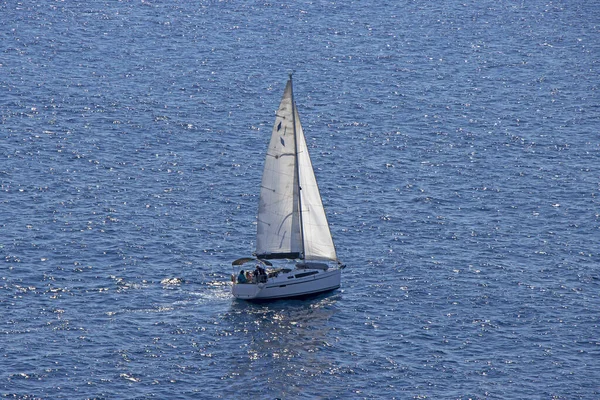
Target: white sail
<point>289,183</point>
<point>318,244</point>
<point>278,225</point>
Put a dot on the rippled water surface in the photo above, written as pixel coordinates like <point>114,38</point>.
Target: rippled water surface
<point>458,154</point>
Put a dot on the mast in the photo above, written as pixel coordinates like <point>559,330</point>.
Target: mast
<point>297,167</point>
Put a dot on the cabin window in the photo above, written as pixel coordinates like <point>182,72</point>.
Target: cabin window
<point>302,275</point>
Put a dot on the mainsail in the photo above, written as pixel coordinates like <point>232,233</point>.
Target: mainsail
<point>291,218</point>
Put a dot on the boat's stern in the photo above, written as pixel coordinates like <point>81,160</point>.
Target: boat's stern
<point>246,291</point>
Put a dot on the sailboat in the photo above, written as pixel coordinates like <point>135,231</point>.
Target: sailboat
<point>295,255</point>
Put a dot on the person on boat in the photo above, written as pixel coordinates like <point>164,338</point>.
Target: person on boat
<point>242,277</point>
<point>249,277</point>
<point>260,274</point>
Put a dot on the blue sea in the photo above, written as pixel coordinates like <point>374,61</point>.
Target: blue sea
<point>456,145</point>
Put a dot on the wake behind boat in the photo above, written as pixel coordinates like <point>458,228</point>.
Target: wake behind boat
<point>292,227</point>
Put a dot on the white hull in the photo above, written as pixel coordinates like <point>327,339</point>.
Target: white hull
<point>298,282</point>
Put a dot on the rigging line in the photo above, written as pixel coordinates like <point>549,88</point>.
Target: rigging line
<point>297,166</point>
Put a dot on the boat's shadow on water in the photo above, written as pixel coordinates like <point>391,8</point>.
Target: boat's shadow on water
<point>276,345</point>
